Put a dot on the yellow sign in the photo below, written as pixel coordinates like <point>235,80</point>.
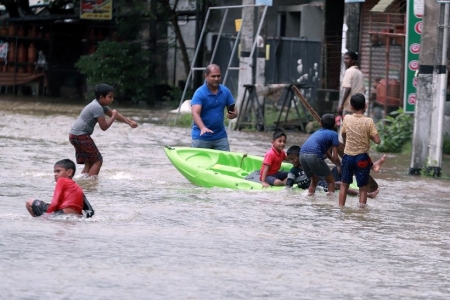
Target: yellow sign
<point>237,24</point>
<point>96,9</point>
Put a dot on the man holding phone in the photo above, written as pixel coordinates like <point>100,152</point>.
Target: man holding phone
<point>208,105</point>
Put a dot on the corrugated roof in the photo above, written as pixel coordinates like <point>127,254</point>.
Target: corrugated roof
<point>382,5</point>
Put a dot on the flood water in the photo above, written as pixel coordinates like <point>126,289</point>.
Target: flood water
<point>157,236</point>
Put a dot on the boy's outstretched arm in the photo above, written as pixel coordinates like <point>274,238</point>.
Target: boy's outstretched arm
<point>104,123</point>
<point>126,120</point>
<point>333,156</point>
<point>57,197</point>
<point>376,139</point>
<point>121,118</point>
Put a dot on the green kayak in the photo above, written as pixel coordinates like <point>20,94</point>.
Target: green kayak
<point>214,168</point>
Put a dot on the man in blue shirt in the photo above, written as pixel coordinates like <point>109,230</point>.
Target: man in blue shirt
<point>208,105</point>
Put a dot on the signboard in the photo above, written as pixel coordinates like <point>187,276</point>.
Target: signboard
<point>412,49</point>
<point>264,2</point>
<point>96,9</point>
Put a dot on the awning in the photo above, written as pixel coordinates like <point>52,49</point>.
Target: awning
<point>382,5</point>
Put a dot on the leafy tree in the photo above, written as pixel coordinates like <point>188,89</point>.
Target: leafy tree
<point>171,14</point>
<point>395,131</point>
<point>128,61</point>
<point>123,65</point>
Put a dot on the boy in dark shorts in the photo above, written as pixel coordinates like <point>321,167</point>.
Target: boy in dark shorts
<point>270,170</point>
<point>315,150</point>
<point>357,132</point>
<point>297,175</point>
<point>86,151</point>
<point>68,197</point>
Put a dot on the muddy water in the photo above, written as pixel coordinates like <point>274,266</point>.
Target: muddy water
<point>156,236</point>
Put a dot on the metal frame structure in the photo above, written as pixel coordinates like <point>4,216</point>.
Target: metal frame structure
<point>200,42</point>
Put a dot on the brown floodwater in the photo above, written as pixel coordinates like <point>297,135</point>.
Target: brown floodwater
<point>157,236</point>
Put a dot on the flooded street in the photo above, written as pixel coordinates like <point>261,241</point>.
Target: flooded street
<point>156,236</point>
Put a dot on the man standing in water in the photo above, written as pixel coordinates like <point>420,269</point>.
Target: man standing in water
<point>208,104</point>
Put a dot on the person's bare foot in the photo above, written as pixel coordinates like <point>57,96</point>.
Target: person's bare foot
<point>377,165</point>
<point>373,194</point>
<point>330,193</point>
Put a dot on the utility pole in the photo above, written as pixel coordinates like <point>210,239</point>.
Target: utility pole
<point>260,75</point>
<point>245,61</point>
<point>352,13</point>
<point>424,90</point>
<point>437,115</point>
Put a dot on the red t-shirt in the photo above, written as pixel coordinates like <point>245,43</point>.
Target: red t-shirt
<point>273,159</point>
<point>67,195</point>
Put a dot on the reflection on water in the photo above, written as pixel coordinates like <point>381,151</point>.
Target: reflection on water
<point>156,236</point>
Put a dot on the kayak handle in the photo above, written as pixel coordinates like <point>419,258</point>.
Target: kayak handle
<point>242,159</point>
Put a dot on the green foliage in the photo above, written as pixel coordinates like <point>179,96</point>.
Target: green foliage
<point>446,146</point>
<point>431,171</point>
<point>184,120</point>
<point>130,17</point>
<point>395,131</point>
<point>123,65</point>
<point>175,94</point>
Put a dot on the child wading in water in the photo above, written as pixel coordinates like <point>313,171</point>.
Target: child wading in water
<point>68,197</point>
<point>86,151</point>
<point>315,150</point>
<point>298,176</point>
<point>357,132</point>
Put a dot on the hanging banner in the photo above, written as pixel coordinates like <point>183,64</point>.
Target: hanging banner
<point>96,9</point>
<point>412,49</point>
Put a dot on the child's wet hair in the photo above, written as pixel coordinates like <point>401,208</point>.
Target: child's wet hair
<point>102,89</point>
<point>293,150</point>
<point>67,164</point>
<point>358,101</point>
<point>328,121</point>
<point>277,134</point>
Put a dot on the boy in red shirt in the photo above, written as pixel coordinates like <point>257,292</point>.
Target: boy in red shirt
<point>270,171</point>
<point>68,197</point>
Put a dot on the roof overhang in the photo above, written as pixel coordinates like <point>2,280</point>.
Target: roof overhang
<point>382,5</point>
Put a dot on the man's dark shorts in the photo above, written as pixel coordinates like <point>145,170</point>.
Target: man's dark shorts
<point>85,149</point>
<point>40,207</point>
<point>281,175</point>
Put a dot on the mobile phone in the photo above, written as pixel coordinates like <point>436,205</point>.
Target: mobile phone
<point>231,108</point>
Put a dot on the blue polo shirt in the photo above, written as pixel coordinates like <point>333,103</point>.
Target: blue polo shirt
<point>213,111</point>
<point>319,142</point>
